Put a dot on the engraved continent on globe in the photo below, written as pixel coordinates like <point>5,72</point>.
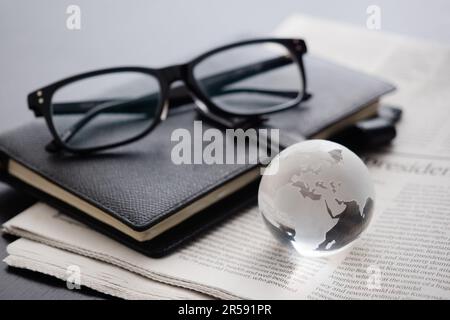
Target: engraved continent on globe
<point>318,195</point>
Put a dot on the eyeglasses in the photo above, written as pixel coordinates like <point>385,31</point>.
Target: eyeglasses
<point>111,107</point>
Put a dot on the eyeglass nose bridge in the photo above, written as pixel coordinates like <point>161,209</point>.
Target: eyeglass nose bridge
<point>174,73</point>
<point>180,94</point>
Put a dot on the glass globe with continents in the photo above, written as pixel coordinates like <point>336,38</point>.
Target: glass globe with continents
<point>318,196</point>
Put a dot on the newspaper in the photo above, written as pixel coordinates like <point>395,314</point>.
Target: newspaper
<point>418,68</point>
<point>403,254</point>
<point>94,274</point>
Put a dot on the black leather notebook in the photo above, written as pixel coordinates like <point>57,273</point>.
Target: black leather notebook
<point>138,196</point>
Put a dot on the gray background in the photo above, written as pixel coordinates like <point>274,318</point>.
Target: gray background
<point>36,48</point>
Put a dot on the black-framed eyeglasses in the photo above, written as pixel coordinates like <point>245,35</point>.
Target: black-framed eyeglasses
<point>112,107</point>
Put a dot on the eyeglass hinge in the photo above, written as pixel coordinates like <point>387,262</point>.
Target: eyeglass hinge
<point>35,102</point>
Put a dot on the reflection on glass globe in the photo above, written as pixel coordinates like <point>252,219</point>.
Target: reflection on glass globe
<point>318,196</point>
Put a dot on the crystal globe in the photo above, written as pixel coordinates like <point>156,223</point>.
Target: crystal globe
<point>318,196</point>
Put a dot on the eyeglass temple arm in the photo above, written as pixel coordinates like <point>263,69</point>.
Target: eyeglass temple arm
<point>218,81</point>
<point>280,93</point>
<point>88,116</point>
<point>117,106</point>
<point>92,113</point>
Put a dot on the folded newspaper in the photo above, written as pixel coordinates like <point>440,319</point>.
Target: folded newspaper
<point>78,270</point>
<point>403,254</point>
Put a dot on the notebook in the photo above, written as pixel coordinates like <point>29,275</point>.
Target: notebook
<point>138,196</point>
